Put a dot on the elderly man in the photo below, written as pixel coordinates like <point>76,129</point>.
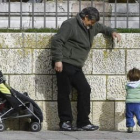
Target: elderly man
<point>70,48</point>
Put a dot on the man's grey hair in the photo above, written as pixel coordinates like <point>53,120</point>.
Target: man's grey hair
<point>91,12</point>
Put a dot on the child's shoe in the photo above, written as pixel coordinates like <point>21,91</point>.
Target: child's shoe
<point>130,130</point>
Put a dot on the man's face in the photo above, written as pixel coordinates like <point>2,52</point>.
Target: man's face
<point>88,22</point>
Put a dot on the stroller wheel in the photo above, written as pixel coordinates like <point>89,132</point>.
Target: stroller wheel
<point>2,127</point>
<point>35,127</point>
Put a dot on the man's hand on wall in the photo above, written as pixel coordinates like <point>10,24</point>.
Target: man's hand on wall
<point>116,35</point>
<point>58,66</point>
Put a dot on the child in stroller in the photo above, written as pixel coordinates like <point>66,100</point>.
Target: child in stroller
<point>13,104</point>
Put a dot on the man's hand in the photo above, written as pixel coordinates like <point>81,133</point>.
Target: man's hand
<point>116,35</point>
<point>58,66</point>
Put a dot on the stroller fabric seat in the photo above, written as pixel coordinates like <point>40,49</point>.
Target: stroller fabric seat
<point>20,103</point>
<point>4,89</point>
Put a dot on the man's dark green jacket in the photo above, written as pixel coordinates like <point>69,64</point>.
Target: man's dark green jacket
<point>73,41</point>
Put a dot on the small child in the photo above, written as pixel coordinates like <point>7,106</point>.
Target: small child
<point>132,98</point>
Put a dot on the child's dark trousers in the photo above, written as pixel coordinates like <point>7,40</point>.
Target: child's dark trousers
<point>132,109</point>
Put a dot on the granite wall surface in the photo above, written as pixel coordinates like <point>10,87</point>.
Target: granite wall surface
<point>26,62</point>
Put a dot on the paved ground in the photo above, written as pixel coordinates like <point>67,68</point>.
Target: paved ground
<point>61,135</point>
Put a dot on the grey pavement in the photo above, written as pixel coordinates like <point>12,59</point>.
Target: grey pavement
<point>61,135</point>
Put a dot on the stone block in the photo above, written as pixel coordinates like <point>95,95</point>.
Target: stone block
<point>24,124</point>
<point>116,87</point>
<point>15,7</point>
<point>43,87</point>
<point>51,120</point>
<point>102,41</point>
<point>6,77</point>
<point>51,22</point>
<point>51,7</point>
<point>133,59</point>
<point>30,40</point>
<point>126,16</point>
<point>98,5</point>
<point>87,68</point>
<point>44,40</point>
<point>42,63</point>
<point>4,7</point>
<point>12,124</point>
<point>16,24</point>
<point>23,83</point>
<point>133,23</point>
<point>103,115</point>
<point>3,22</point>
<point>98,87</point>
<point>55,89</point>
<point>120,121</point>
<point>17,61</point>
<point>137,126</point>
<point>91,112</point>
<point>11,40</point>
<point>123,24</point>
<point>128,41</point>
<point>108,61</point>
<point>39,40</point>
<point>74,112</point>
<point>74,94</point>
<point>122,8</point>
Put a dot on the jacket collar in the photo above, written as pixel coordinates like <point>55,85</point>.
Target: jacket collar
<point>133,84</point>
<point>80,22</point>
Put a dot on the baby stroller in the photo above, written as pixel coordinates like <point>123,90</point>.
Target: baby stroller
<point>15,105</point>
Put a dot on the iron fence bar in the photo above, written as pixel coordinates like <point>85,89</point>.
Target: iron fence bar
<point>56,14</point>
<point>20,14</point>
<point>115,13</point>
<point>103,11</point>
<point>44,13</point>
<point>68,9</point>
<point>127,15</point>
<point>79,5</point>
<point>9,11</point>
<point>95,5</point>
<point>139,14</point>
<point>32,13</point>
<point>92,3</point>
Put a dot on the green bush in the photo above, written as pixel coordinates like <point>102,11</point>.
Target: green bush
<point>51,30</point>
<point>47,30</point>
<point>121,30</point>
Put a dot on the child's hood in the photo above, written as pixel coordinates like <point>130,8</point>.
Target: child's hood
<point>133,84</point>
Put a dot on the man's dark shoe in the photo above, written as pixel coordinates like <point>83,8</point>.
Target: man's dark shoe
<point>130,130</point>
<point>67,126</point>
<point>89,127</point>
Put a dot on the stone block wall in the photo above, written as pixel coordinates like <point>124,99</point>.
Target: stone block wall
<point>26,63</point>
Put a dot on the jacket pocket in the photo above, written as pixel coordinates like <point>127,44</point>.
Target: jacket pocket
<point>67,52</point>
<point>70,54</point>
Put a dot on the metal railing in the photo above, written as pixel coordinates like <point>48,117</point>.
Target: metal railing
<point>28,15</point>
